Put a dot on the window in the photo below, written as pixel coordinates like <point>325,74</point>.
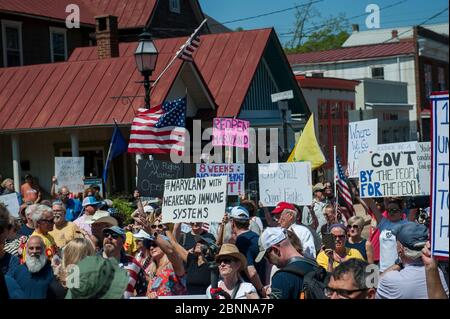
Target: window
<point>12,43</point>
<point>378,73</point>
<point>441,79</point>
<point>58,44</point>
<point>427,68</point>
<point>174,6</point>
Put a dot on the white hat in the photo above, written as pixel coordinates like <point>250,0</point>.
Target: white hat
<point>141,234</point>
<point>102,216</point>
<point>270,237</point>
<point>148,209</point>
<point>239,212</point>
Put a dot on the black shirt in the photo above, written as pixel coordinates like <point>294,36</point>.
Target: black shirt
<point>25,231</point>
<point>198,277</point>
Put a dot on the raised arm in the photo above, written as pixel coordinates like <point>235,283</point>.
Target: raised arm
<point>269,220</point>
<point>53,188</point>
<point>174,258</point>
<point>370,204</point>
<point>183,253</point>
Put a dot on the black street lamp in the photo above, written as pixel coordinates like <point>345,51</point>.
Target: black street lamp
<point>146,55</point>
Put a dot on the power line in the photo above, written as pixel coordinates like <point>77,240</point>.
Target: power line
<point>351,18</point>
<point>429,19</point>
<point>267,13</point>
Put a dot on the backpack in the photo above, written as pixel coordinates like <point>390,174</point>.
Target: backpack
<point>314,281</point>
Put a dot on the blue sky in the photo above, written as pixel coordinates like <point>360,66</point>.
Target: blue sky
<point>409,12</point>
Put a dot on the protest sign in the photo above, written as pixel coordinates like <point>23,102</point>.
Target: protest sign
<point>194,199</point>
<point>388,173</point>
<point>234,172</point>
<point>70,172</point>
<point>440,175</point>
<point>230,132</point>
<point>90,182</point>
<point>362,136</point>
<point>153,173</point>
<point>11,203</point>
<point>397,147</point>
<point>285,182</point>
<point>424,161</point>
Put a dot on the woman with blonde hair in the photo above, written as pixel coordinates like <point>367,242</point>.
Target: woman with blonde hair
<point>74,252</point>
<point>355,227</point>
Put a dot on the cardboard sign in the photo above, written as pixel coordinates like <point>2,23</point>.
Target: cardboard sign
<point>70,172</point>
<point>362,136</point>
<point>400,147</point>
<point>234,172</point>
<point>388,174</point>
<point>440,177</point>
<point>285,182</point>
<point>194,199</point>
<point>11,203</point>
<point>153,173</point>
<point>230,132</point>
<point>424,160</point>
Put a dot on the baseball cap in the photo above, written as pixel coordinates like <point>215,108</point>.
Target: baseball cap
<point>411,235</point>
<point>282,206</point>
<point>271,236</point>
<point>318,187</point>
<point>148,209</point>
<point>90,201</point>
<point>142,234</point>
<point>115,229</point>
<point>239,212</point>
<point>102,216</point>
<point>99,278</point>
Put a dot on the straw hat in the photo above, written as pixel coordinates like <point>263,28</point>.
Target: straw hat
<point>233,251</point>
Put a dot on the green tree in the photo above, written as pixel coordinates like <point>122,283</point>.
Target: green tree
<point>321,34</point>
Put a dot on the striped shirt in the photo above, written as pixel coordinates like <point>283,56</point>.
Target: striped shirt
<point>137,279</point>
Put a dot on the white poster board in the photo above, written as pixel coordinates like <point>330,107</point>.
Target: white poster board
<point>362,136</point>
<point>285,182</point>
<point>69,172</point>
<point>11,202</point>
<point>440,175</point>
<point>389,173</point>
<point>234,172</point>
<point>402,147</point>
<point>424,161</point>
<point>194,199</point>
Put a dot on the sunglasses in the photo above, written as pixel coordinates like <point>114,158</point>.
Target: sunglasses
<point>112,234</point>
<point>342,293</point>
<point>394,210</point>
<point>226,260</point>
<point>339,236</point>
<point>157,226</point>
<point>49,221</point>
<point>353,226</point>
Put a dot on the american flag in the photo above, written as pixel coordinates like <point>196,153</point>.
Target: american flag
<point>343,190</point>
<point>187,49</point>
<point>160,129</point>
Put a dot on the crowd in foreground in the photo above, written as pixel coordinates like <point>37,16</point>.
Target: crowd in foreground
<point>83,249</point>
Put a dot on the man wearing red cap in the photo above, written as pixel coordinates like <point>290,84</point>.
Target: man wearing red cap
<point>287,215</point>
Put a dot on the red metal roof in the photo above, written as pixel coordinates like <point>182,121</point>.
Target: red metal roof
<point>78,92</point>
<point>130,13</point>
<point>55,9</point>
<point>353,53</point>
<point>326,83</point>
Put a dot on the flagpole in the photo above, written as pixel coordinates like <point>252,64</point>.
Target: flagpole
<point>177,54</point>
<point>334,173</point>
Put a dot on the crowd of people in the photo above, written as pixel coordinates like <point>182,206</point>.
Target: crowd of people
<point>80,248</point>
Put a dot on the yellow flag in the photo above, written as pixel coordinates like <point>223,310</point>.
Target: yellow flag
<point>307,148</point>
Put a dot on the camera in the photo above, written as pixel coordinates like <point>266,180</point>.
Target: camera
<point>209,249</point>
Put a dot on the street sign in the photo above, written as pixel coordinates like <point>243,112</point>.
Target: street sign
<point>285,95</point>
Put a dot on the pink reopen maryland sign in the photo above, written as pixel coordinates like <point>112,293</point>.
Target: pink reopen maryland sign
<point>230,132</point>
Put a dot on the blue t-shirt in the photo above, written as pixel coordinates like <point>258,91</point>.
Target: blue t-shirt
<point>286,285</point>
<point>34,286</point>
<point>9,264</point>
<point>247,243</point>
<point>73,209</point>
<point>25,231</point>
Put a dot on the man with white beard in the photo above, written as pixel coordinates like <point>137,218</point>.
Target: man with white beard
<point>36,277</point>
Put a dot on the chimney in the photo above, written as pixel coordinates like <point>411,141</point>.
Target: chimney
<point>107,36</point>
<point>355,27</point>
<point>394,34</point>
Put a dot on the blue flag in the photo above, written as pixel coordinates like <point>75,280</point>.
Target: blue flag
<point>117,146</point>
